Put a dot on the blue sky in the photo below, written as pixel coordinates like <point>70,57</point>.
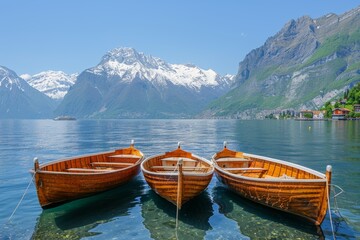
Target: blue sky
<point>73,35</point>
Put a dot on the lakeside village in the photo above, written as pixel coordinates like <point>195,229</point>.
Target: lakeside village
<point>346,108</point>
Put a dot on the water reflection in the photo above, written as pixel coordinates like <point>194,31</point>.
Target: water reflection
<point>76,219</point>
<point>259,222</point>
<point>160,217</point>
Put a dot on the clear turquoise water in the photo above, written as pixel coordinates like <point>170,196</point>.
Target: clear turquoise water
<point>134,211</point>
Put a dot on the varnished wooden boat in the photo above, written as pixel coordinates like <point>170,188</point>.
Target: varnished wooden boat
<point>275,183</point>
<point>76,177</point>
<point>178,175</point>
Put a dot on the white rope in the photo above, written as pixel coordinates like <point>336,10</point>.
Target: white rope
<point>31,180</point>
<point>177,198</point>
<point>337,194</point>
<point>328,199</point>
<point>169,176</point>
<point>177,219</point>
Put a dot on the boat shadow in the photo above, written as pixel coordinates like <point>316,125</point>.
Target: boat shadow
<point>256,220</point>
<point>160,217</point>
<point>274,223</point>
<point>76,219</point>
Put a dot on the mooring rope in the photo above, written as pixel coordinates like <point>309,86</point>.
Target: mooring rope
<point>328,201</point>
<point>177,219</point>
<point>21,199</point>
<point>335,202</point>
<point>169,176</point>
<point>177,199</point>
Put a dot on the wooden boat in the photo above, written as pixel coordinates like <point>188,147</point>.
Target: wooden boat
<point>178,175</point>
<point>76,177</point>
<point>275,183</point>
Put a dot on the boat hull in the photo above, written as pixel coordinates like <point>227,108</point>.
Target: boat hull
<point>55,188</point>
<point>177,183</point>
<point>167,186</point>
<point>65,180</point>
<point>287,187</point>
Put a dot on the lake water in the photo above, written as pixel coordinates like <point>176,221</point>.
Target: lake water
<point>134,211</point>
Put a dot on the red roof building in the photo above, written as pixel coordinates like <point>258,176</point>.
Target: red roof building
<point>340,113</point>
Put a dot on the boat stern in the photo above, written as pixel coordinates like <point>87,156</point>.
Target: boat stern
<point>326,197</point>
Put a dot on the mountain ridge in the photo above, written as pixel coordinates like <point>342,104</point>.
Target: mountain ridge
<point>55,84</point>
<point>308,62</point>
<point>127,62</point>
<point>130,84</point>
<point>19,100</point>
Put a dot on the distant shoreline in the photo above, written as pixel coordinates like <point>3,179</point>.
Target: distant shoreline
<point>64,118</point>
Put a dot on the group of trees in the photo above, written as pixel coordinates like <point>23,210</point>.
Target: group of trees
<point>351,97</point>
<point>285,114</point>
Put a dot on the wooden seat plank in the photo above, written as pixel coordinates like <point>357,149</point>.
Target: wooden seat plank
<point>233,160</point>
<point>87,170</point>
<point>123,156</point>
<point>111,164</point>
<point>178,158</point>
<point>245,169</point>
<point>174,167</point>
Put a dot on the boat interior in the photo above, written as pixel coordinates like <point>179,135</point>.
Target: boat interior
<point>104,162</point>
<point>241,164</point>
<point>169,162</point>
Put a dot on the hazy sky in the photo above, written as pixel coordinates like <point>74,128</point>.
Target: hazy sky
<point>73,35</point>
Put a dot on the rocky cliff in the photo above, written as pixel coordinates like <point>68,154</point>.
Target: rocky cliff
<point>308,62</point>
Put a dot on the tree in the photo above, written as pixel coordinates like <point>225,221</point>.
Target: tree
<point>354,94</point>
<point>353,97</point>
<point>308,115</point>
<point>357,98</point>
<point>328,109</point>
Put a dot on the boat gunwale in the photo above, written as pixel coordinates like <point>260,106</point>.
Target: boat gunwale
<point>273,180</point>
<point>185,173</point>
<point>41,166</point>
<point>105,171</point>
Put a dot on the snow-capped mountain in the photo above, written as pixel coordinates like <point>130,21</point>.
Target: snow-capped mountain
<point>127,64</point>
<point>9,80</point>
<point>19,100</point>
<point>127,84</point>
<point>54,84</point>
